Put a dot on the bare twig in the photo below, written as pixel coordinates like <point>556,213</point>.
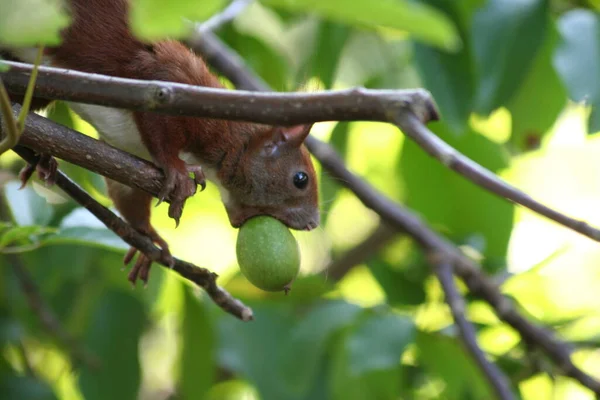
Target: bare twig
<point>229,13</point>
<point>200,276</point>
<point>455,301</point>
<point>338,268</point>
<point>403,220</point>
<point>46,315</point>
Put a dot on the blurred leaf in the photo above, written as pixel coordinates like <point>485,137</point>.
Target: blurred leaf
<point>158,19</point>
<point>367,360</point>
<point>378,343</point>
<point>197,349</point>
<point>304,349</point>
<point>444,356</point>
<point>329,44</point>
<point>27,207</point>
<point>24,388</point>
<point>262,59</point>
<point>330,187</point>
<point>450,201</point>
<point>20,233</point>
<point>20,27</point>
<point>401,287</point>
<point>577,59</point>
<point>97,237</point>
<point>450,77</point>
<point>425,23</point>
<point>539,100</point>
<point>113,336</point>
<point>250,348</point>
<point>507,35</point>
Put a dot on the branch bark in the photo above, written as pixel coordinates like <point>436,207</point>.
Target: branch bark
<point>200,276</point>
<point>404,221</point>
<point>467,333</point>
<point>408,109</point>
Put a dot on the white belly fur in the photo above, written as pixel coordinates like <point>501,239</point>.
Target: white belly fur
<point>115,126</point>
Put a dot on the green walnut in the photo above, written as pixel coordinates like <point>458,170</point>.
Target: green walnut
<point>268,254</point>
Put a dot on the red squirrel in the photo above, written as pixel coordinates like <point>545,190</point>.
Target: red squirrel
<point>259,169</point>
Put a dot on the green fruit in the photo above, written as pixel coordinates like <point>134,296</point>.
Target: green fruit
<point>268,254</point>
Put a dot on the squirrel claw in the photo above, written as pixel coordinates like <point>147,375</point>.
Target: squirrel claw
<point>141,268</point>
<point>46,167</point>
<point>178,186</point>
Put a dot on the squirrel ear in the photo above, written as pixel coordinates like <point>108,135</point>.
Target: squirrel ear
<point>292,135</point>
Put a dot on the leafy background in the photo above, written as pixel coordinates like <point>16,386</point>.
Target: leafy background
<point>517,82</point>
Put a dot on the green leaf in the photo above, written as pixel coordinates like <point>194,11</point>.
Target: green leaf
<point>24,388</point>
<point>27,207</point>
<point>451,202</point>
<point>198,349</point>
<point>444,357</point>
<point>450,77</point>
<point>113,336</point>
<point>541,97</point>
<point>261,58</point>
<point>423,22</point>
<point>577,59</point>
<point>96,237</point>
<point>157,19</point>
<point>378,343</point>
<point>327,49</point>
<point>305,348</point>
<point>366,361</point>
<point>245,346</point>
<point>506,35</point>
<point>330,187</point>
<point>20,233</point>
<point>20,25</point>
<point>402,287</point>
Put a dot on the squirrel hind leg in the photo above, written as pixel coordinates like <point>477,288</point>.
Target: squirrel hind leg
<point>46,167</point>
<point>134,205</point>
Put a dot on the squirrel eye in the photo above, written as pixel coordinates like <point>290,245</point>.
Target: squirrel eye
<point>300,180</point>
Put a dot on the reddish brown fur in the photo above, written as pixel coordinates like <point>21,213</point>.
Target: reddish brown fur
<point>256,164</point>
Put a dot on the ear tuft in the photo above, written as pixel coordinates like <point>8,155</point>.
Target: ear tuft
<point>295,135</point>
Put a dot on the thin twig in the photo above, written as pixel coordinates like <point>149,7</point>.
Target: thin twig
<point>405,221</point>
<point>200,276</point>
<point>380,237</point>
<point>455,301</point>
<point>229,13</point>
<point>47,316</point>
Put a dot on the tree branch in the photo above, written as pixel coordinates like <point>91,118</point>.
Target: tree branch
<point>199,101</point>
<point>47,316</point>
<point>229,13</point>
<point>338,268</point>
<point>467,332</point>
<point>403,220</point>
<point>200,276</point>
<point>408,109</point>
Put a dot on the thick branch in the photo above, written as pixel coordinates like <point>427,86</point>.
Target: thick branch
<point>403,220</point>
<point>467,332</point>
<point>200,276</point>
<point>175,98</point>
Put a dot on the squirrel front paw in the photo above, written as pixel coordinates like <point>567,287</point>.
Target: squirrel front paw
<point>178,186</point>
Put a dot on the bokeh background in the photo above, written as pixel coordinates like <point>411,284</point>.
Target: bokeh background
<point>515,82</point>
